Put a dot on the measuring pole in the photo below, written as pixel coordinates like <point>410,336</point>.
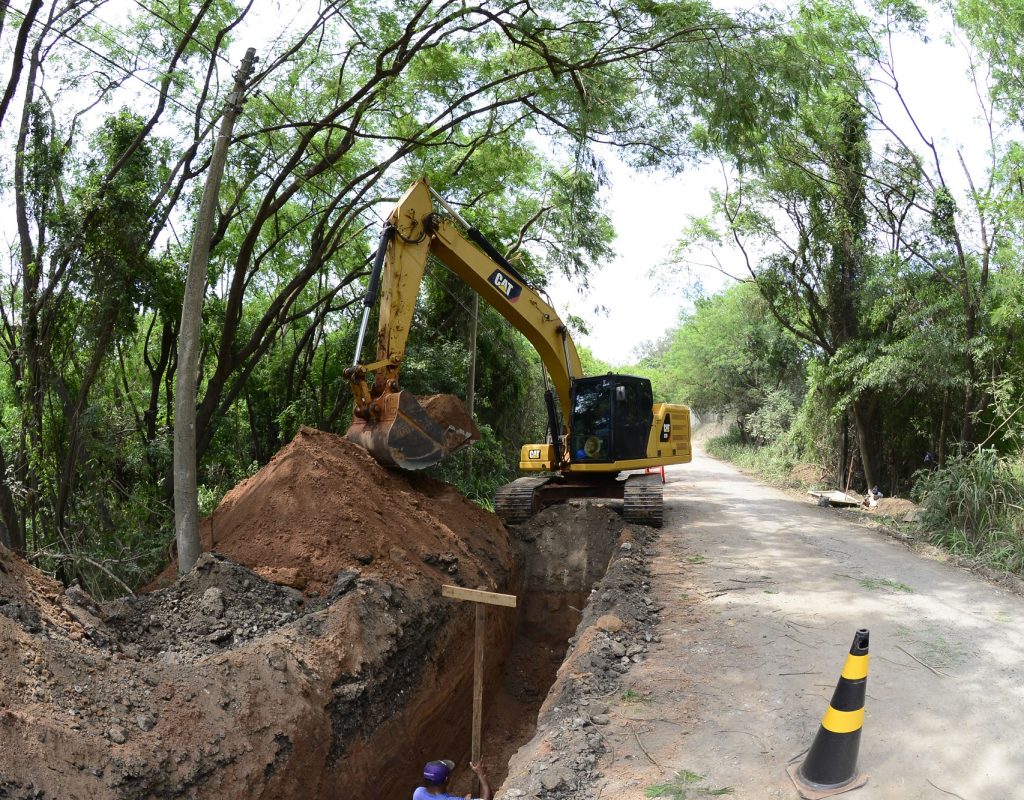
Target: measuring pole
<point>481,599</point>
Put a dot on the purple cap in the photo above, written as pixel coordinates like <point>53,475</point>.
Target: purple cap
<point>438,771</point>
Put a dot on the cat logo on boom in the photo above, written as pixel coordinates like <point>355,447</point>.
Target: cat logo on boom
<point>504,284</point>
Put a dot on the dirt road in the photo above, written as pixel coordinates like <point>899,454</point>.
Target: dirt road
<point>762,593</point>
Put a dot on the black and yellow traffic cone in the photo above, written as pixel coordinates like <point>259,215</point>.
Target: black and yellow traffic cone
<point>831,764</point>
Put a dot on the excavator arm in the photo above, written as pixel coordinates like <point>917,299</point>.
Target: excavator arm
<point>391,423</point>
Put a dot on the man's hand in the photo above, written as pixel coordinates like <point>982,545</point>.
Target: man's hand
<point>485,788</point>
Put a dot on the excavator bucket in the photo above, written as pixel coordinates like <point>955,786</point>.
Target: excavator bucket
<point>415,433</point>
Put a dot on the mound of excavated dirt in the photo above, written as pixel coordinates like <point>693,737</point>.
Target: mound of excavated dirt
<point>447,409</point>
<point>323,505</point>
<point>808,474</point>
<point>226,685</point>
<point>894,507</point>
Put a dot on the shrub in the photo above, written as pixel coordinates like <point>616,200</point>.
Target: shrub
<point>773,462</point>
<point>974,506</point>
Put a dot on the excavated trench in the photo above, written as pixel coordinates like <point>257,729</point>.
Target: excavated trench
<point>562,554</point>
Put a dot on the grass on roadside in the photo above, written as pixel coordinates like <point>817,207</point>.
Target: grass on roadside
<point>872,584</point>
<point>633,697</point>
<point>683,786</point>
<point>974,507</point>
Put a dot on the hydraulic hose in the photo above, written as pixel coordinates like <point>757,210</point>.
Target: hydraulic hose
<point>374,287</point>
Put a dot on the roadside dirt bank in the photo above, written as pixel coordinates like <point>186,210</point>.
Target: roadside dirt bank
<point>225,684</point>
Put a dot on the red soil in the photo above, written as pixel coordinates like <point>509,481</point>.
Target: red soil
<point>323,505</point>
<point>351,698</point>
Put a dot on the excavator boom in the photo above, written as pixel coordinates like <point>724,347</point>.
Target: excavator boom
<point>396,427</point>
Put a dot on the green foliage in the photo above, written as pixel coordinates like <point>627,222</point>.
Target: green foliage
<point>974,506</point>
<point>996,28</point>
<point>684,785</point>
<point>731,357</point>
<point>478,470</point>
<point>107,225</point>
<point>591,364</point>
<point>502,108</point>
<point>633,697</point>
<point>772,462</point>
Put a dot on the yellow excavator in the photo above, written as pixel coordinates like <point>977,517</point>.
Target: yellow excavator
<point>600,427</point>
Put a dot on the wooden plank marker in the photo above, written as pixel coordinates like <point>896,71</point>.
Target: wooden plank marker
<point>481,599</point>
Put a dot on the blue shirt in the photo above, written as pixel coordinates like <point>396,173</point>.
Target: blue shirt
<point>421,793</point>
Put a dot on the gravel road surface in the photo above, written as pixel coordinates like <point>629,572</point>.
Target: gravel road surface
<point>762,594</point>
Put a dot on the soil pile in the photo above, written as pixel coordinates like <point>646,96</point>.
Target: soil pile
<point>812,475</point>
<point>447,409</point>
<point>896,507</point>
<point>225,684</point>
<point>323,505</point>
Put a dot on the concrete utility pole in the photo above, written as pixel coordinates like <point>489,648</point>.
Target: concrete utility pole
<point>186,504</point>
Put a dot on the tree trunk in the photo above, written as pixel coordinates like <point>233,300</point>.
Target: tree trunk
<point>940,450</point>
<point>12,535</point>
<point>186,502</point>
<point>864,420</point>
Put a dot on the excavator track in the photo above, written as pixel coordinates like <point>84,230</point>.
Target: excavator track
<point>642,501</point>
<point>514,502</point>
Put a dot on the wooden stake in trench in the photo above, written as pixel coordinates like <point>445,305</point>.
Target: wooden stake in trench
<point>481,599</point>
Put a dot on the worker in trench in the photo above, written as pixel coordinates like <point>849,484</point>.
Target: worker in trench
<point>437,775</point>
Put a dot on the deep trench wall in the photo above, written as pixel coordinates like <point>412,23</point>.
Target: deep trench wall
<point>564,757</point>
<point>563,552</point>
<point>432,718</point>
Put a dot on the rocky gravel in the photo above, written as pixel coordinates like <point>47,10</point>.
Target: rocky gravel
<point>617,628</point>
<point>218,605</point>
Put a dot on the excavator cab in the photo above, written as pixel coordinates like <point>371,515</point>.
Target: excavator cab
<point>611,418</point>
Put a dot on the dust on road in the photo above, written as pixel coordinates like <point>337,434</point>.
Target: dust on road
<point>762,594</point>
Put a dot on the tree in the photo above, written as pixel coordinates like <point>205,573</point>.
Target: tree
<point>186,505</point>
<point>728,357</point>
